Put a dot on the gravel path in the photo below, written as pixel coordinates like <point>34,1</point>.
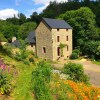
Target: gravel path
<point>92,70</point>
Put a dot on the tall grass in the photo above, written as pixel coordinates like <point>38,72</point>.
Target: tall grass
<point>40,81</point>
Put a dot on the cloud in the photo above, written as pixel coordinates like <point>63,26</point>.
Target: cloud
<point>45,4</point>
<point>38,10</point>
<point>8,13</point>
<point>18,2</point>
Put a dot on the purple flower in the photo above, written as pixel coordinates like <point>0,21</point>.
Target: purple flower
<point>3,67</point>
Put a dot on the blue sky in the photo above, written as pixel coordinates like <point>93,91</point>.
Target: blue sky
<point>10,7</point>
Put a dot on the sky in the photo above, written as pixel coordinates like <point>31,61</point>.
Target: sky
<point>10,7</point>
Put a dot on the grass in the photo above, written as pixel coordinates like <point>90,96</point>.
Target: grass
<point>22,81</point>
<point>59,88</point>
<point>96,62</point>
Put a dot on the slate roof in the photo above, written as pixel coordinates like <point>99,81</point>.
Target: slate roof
<point>16,43</point>
<point>31,37</point>
<point>55,23</point>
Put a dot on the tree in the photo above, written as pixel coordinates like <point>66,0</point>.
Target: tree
<point>22,18</point>
<point>2,38</point>
<point>86,36</point>
<point>54,9</point>
<point>13,20</point>
<point>25,29</point>
<point>35,17</point>
<point>92,48</point>
<point>9,31</point>
<point>83,23</point>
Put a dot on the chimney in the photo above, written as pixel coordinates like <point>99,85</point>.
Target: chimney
<point>13,39</point>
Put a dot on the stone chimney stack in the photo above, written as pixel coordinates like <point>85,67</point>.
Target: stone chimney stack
<point>13,39</point>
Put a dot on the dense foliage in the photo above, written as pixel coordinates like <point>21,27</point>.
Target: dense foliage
<point>9,30</point>
<point>83,16</point>
<point>76,72</point>
<point>4,81</point>
<point>84,30</point>
<point>54,9</point>
<point>74,56</point>
<point>40,80</point>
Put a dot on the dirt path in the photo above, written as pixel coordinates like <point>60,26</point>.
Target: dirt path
<point>92,70</point>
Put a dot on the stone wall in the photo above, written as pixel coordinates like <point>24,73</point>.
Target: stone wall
<point>30,48</point>
<point>44,39</point>
<point>62,33</point>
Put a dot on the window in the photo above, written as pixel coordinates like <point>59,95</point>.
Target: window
<point>58,38</point>
<point>66,29</point>
<point>44,50</point>
<point>58,51</point>
<point>57,29</point>
<point>67,56</point>
<point>67,48</point>
<point>66,38</point>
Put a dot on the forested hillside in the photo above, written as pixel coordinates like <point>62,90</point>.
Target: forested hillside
<point>55,9</point>
<point>83,16</point>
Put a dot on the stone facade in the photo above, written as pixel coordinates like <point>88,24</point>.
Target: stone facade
<point>48,41</point>
<point>44,40</point>
<point>65,37</point>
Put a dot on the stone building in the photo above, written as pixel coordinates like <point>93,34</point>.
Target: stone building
<point>50,34</point>
<point>31,39</point>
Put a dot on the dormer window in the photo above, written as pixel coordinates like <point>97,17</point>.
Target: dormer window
<point>57,29</point>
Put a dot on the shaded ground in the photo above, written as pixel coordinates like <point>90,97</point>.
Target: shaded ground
<point>92,70</point>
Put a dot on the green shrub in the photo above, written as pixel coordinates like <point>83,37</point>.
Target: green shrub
<point>74,56</point>
<point>76,72</point>
<point>2,38</point>
<point>8,49</point>
<point>26,62</point>
<point>45,69</point>
<point>31,60</point>
<point>40,80</point>
<point>21,56</point>
<point>4,83</point>
<point>77,51</point>
<point>18,57</point>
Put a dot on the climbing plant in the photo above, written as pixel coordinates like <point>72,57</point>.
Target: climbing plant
<point>62,46</point>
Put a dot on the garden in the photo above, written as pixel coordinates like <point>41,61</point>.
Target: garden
<point>31,78</point>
